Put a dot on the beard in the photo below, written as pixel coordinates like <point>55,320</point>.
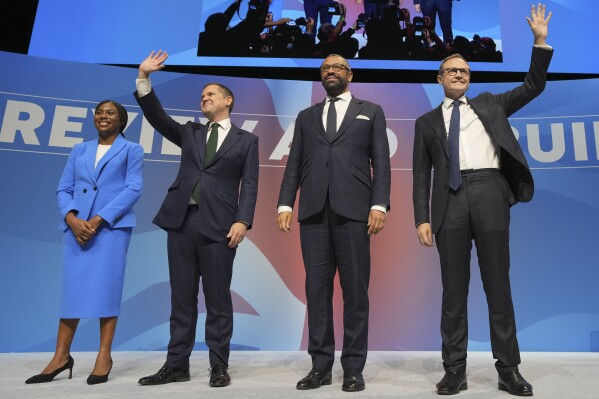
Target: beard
<point>335,87</point>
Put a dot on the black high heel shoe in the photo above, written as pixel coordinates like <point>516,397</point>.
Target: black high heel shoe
<point>36,379</point>
<point>98,379</point>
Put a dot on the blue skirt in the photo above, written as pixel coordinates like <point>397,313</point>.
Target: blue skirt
<point>93,275</point>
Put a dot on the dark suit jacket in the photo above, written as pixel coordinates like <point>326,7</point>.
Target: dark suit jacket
<point>430,144</point>
<point>221,203</point>
<point>353,169</point>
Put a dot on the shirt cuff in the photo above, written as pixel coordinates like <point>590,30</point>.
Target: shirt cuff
<point>543,46</point>
<point>381,208</point>
<point>284,208</point>
<point>144,86</point>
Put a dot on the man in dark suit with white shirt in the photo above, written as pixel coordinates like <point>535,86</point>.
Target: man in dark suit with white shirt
<point>480,171</point>
<point>206,213</point>
<point>340,158</point>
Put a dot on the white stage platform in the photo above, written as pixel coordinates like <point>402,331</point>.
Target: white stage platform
<point>267,375</point>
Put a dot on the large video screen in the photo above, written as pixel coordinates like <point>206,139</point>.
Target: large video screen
<point>374,34</point>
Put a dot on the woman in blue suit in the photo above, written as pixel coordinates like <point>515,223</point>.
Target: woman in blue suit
<point>100,184</point>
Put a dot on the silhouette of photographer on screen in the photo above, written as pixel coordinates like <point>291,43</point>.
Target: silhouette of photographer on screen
<point>242,39</point>
<point>391,35</point>
<point>333,40</point>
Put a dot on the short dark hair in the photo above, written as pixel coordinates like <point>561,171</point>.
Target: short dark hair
<point>450,57</point>
<point>123,116</point>
<point>225,91</point>
<point>342,57</point>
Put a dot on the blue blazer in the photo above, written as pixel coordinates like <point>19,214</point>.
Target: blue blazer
<point>110,190</point>
<point>222,200</point>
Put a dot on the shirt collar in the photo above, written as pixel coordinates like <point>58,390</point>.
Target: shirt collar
<point>224,124</point>
<point>343,97</point>
<point>448,102</point>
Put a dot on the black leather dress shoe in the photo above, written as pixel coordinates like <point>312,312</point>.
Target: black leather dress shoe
<point>315,379</point>
<point>219,377</point>
<point>165,375</point>
<point>514,383</point>
<point>452,383</point>
<point>353,381</point>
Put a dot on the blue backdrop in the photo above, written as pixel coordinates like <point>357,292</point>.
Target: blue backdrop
<point>46,107</point>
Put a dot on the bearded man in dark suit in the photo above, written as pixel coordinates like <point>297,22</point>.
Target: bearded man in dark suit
<point>340,158</point>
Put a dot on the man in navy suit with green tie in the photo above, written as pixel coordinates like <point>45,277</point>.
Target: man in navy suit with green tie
<point>206,213</point>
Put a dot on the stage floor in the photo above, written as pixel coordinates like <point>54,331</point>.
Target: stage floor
<point>274,375</point>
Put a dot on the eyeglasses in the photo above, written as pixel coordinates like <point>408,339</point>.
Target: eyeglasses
<point>335,67</point>
<point>454,71</point>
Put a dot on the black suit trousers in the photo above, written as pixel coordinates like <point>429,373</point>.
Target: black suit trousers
<point>478,211</point>
<point>331,242</point>
<point>192,256</point>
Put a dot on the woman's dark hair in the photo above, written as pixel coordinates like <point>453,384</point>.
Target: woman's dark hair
<point>123,117</point>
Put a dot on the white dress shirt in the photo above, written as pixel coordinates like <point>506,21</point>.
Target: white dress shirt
<point>341,106</point>
<point>477,149</point>
<point>223,131</point>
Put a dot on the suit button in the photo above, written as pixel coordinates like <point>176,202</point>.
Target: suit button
<point>203,173</point>
<point>95,188</point>
<point>445,187</point>
<point>84,190</point>
<point>331,145</point>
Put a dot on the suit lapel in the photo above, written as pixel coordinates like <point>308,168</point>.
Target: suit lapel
<point>200,137</point>
<point>353,110</point>
<point>317,111</point>
<point>115,148</point>
<point>91,148</point>
<point>232,137</point>
<point>438,125</point>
